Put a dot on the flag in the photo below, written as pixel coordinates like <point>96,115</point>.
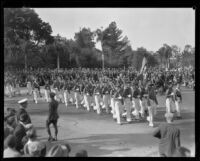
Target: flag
<point>98,45</point>
<point>144,62</point>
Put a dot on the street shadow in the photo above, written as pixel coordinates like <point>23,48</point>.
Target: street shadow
<point>106,144</point>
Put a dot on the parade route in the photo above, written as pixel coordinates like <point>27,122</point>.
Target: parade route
<point>101,136</point>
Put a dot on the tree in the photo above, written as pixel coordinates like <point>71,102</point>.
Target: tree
<point>23,26</point>
<point>113,43</point>
<point>188,56</point>
<point>165,52</point>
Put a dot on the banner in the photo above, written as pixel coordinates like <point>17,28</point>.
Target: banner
<point>144,62</point>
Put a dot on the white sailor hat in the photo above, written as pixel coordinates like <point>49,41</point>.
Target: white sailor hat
<point>169,117</point>
<point>23,101</point>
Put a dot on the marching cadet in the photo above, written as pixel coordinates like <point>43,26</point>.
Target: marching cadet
<point>61,89</point>
<point>35,90</point>
<point>169,99</point>
<point>106,97</point>
<point>9,86</point>
<point>47,90</point>
<point>112,100</point>
<point>81,92</point>
<point>66,93</point>
<point>178,100</point>
<point>17,81</point>
<point>77,91</point>
<point>127,96</point>
<point>55,88</point>
<point>142,100</point>
<point>118,103</point>
<point>86,92</point>
<point>29,86</point>
<point>97,97</point>
<point>136,96</point>
<point>151,104</point>
<point>72,84</point>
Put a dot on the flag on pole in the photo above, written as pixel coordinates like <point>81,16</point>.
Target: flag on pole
<point>144,62</point>
<point>98,44</point>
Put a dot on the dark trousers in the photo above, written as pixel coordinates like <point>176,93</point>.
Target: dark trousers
<point>54,122</point>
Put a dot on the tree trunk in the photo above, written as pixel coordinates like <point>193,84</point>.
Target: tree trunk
<point>58,61</point>
<point>25,61</point>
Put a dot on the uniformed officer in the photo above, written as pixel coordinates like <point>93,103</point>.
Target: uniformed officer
<point>47,90</point>
<point>61,90</point>
<point>136,96</point>
<point>97,96</point>
<point>178,101</point>
<point>142,100</point>
<point>52,117</point>
<point>106,97</point>
<point>35,90</point>
<point>169,99</point>
<point>77,91</point>
<point>22,110</point>
<point>118,103</point>
<point>112,100</point>
<point>151,105</point>
<point>29,86</point>
<point>127,96</point>
<point>87,97</point>
<point>66,93</point>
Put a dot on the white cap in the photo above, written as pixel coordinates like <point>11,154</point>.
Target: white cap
<point>23,101</point>
<point>169,117</point>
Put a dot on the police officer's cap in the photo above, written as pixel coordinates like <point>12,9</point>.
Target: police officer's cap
<point>23,101</point>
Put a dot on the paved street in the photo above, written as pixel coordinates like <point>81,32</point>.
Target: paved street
<point>101,136</point>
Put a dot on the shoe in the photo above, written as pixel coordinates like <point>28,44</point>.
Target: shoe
<point>151,124</point>
<point>50,139</point>
<point>119,123</point>
<point>179,117</point>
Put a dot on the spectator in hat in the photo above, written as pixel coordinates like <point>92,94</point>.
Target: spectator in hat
<point>52,117</point>
<point>81,153</point>
<point>23,105</point>
<point>59,150</point>
<point>20,131</point>
<point>35,149</point>
<point>30,137</point>
<point>10,144</point>
<point>10,117</point>
<point>7,129</point>
<point>169,136</point>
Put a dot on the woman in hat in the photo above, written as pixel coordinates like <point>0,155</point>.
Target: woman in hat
<point>10,144</point>
<point>59,150</point>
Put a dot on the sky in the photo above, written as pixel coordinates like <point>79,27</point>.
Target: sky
<point>145,27</point>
